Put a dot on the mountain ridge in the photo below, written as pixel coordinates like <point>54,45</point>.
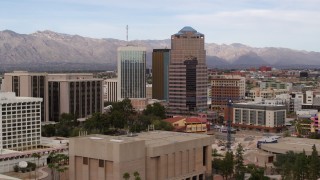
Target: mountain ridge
<point>58,48</point>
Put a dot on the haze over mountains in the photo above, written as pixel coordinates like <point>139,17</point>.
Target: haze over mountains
<point>47,50</point>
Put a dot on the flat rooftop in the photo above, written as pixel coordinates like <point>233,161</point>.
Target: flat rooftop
<point>296,145</point>
<point>152,138</point>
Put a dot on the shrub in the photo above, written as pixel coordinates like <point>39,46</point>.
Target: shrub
<point>16,168</point>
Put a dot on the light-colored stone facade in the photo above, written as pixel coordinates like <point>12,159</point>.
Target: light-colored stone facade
<point>76,93</point>
<point>20,123</point>
<point>155,155</point>
<point>28,84</point>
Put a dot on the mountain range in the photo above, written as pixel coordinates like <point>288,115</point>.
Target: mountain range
<point>48,50</point>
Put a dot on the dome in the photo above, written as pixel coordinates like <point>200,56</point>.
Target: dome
<point>188,29</point>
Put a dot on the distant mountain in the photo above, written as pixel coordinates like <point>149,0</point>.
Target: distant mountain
<point>47,50</point>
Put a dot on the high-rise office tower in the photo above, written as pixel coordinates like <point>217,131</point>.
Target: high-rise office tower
<point>187,73</point>
<point>78,94</point>
<point>160,70</point>
<point>131,72</point>
<point>28,84</point>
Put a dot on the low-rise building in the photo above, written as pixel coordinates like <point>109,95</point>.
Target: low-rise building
<point>188,124</point>
<point>265,117</point>
<point>154,155</point>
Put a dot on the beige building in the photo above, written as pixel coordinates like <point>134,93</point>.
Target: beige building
<point>268,93</point>
<point>260,116</point>
<point>28,84</point>
<point>80,94</point>
<point>110,90</point>
<point>155,155</point>
<point>149,91</point>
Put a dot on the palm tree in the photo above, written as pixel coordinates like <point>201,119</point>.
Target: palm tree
<point>136,175</point>
<point>36,155</point>
<point>52,164</point>
<point>126,176</point>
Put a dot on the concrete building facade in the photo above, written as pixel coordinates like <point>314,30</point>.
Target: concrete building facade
<point>160,73</point>
<point>155,155</point>
<point>188,76</point>
<point>78,94</point>
<point>265,117</point>
<point>110,90</point>
<point>20,122</point>
<point>28,84</point>
<point>131,72</point>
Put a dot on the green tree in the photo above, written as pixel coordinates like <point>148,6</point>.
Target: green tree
<point>227,165</point>
<point>314,165</point>
<point>126,176</point>
<point>284,164</point>
<point>48,130</point>
<point>238,163</point>
<point>257,173</point>
<point>155,109</point>
<point>57,163</point>
<point>217,165</point>
<point>215,153</point>
<point>36,156</point>
<point>67,122</point>
<point>300,168</point>
<point>117,119</point>
<point>98,123</point>
<point>121,114</point>
<point>162,125</point>
<point>136,175</point>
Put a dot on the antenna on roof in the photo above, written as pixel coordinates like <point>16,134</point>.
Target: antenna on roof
<point>127,27</point>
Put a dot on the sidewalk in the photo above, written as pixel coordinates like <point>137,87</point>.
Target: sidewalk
<point>44,174</point>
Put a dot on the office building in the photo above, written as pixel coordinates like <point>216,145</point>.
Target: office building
<point>160,68</point>
<point>154,155</point>
<point>78,94</point>
<point>131,72</point>
<point>20,122</point>
<point>260,116</point>
<point>27,84</point>
<point>110,90</point>
<point>275,85</point>
<point>188,77</point>
<point>225,87</point>
<point>149,91</point>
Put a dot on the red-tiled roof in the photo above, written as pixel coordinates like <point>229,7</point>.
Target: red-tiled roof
<point>174,119</point>
<point>195,120</point>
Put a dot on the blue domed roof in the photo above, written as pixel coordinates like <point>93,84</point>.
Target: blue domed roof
<point>187,29</point>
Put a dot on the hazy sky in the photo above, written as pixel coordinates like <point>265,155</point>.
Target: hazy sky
<point>259,23</point>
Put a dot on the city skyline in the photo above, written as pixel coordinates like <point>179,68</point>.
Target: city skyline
<point>258,24</point>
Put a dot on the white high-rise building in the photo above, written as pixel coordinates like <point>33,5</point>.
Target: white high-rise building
<point>20,121</point>
<point>131,72</point>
